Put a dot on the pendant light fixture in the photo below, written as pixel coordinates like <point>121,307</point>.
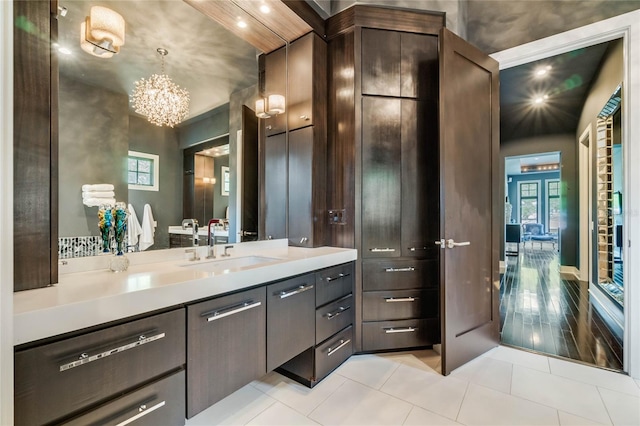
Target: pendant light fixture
<point>159,99</point>
<point>102,32</point>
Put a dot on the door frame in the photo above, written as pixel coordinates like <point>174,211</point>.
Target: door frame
<point>627,27</point>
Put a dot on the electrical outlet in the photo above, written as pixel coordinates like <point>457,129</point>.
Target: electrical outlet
<point>337,217</point>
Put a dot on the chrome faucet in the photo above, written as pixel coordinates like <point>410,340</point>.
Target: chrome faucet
<point>226,253</point>
<point>211,251</point>
<point>193,224</point>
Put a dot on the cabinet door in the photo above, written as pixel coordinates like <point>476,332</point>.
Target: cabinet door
<point>301,187</point>
<point>290,319</point>
<point>275,186</point>
<point>57,379</point>
<point>381,177</point>
<point>380,63</point>
<point>420,192</point>
<point>159,403</point>
<point>418,66</point>
<point>301,78</point>
<point>275,83</point>
<point>225,346</point>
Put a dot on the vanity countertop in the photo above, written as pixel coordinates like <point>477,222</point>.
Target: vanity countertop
<point>89,294</point>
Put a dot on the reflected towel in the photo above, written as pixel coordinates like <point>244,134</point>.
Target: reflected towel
<point>98,187</point>
<point>96,202</point>
<point>133,226</point>
<point>148,228</point>
<point>98,194</point>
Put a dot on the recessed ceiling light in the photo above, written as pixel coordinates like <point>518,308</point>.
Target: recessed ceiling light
<point>264,8</point>
<point>242,24</point>
<point>543,71</point>
<point>64,50</point>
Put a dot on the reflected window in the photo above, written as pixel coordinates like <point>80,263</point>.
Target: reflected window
<point>143,171</point>
<point>553,206</point>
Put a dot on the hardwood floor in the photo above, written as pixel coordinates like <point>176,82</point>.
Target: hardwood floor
<point>544,313</point>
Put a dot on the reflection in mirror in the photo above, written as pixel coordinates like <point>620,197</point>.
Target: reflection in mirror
<point>609,195</point>
<point>98,127</point>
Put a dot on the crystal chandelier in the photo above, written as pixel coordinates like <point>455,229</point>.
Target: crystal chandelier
<point>159,99</point>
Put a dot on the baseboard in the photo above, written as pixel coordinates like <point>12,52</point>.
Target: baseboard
<point>569,273</point>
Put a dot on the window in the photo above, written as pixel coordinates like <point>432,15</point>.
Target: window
<point>553,206</point>
<point>528,194</point>
<point>143,171</point>
<point>226,180</point>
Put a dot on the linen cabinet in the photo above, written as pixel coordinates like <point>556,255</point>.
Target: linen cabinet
<point>407,98</point>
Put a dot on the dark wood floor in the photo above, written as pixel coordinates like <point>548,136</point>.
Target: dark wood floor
<point>544,313</point>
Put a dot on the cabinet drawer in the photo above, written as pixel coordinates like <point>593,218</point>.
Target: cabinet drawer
<point>226,346</point>
<point>159,403</point>
<point>399,304</point>
<point>399,334</point>
<point>334,317</point>
<point>333,352</point>
<point>95,366</point>
<point>290,319</point>
<point>333,283</point>
<point>399,274</point>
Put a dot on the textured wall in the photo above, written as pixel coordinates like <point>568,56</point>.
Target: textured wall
<point>93,149</point>
<point>566,145</point>
<point>204,127</point>
<point>166,204</point>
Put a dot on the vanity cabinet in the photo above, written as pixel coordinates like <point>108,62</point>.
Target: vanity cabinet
<point>334,315</point>
<point>226,346</point>
<point>295,159</point>
<point>74,375</point>
<point>290,319</point>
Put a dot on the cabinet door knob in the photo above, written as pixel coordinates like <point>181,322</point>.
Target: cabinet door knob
<point>305,117</point>
<point>269,127</point>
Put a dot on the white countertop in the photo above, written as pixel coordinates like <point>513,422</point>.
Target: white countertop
<point>202,231</point>
<point>88,293</point>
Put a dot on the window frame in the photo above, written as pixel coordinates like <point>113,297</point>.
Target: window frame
<point>538,199</point>
<point>547,204</point>
<point>155,174</point>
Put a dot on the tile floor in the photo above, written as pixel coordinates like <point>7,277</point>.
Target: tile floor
<point>505,386</point>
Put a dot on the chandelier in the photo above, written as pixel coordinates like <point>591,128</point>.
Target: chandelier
<point>159,99</point>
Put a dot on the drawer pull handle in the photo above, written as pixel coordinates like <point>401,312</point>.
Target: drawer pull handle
<point>381,249</point>
<point>400,299</point>
<point>85,358</point>
<point>408,269</point>
<point>142,411</point>
<point>235,309</point>
<point>300,289</point>
<point>417,248</point>
<point>342,344</point>
<point>337,312</point>
<point>329,279</point>
<point>400,330</point>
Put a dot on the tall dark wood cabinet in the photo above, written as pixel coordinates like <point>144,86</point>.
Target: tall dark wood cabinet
<point>35,144</point>
<point>295,180</point>
<point>383,150</point>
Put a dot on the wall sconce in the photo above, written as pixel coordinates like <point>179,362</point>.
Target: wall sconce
<point>210,180</point>
<point>270,106</point>
<point>102,33</point>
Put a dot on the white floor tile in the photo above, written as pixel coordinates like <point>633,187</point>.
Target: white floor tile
<point>594,376</point>
<point>564,394</point>
<point>488,372</point>
<point>518,357</point>
<point>484,406</point>
<point>623,409</point>
<point>421,417</point>
<point>427,359</point>
<point>295,395</point>
<point>370,370</point>
<point>638,383</point>
<point>281,415</point>
<point>356,404</point>
<point>567,419</point>
<point>432,391</point>
<point>236,409</point>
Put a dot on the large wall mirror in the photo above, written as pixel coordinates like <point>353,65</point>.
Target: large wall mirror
<point>99,128</point>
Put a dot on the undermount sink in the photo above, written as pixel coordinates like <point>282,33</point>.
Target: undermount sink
<point>223,266</point>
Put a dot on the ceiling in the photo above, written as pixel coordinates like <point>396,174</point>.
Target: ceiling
<point>566,84</point>
<point>513,164</point>
<point>204,58</point>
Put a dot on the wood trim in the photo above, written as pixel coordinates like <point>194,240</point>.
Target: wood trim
<point>283,20</point>
<point>55,84</point>
<point>385,18</point>
<point>307,14</point>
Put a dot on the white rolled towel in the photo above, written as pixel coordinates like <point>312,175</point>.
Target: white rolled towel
<point>98,187</point>
<point>98,194</point>
<point>96,202</point>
